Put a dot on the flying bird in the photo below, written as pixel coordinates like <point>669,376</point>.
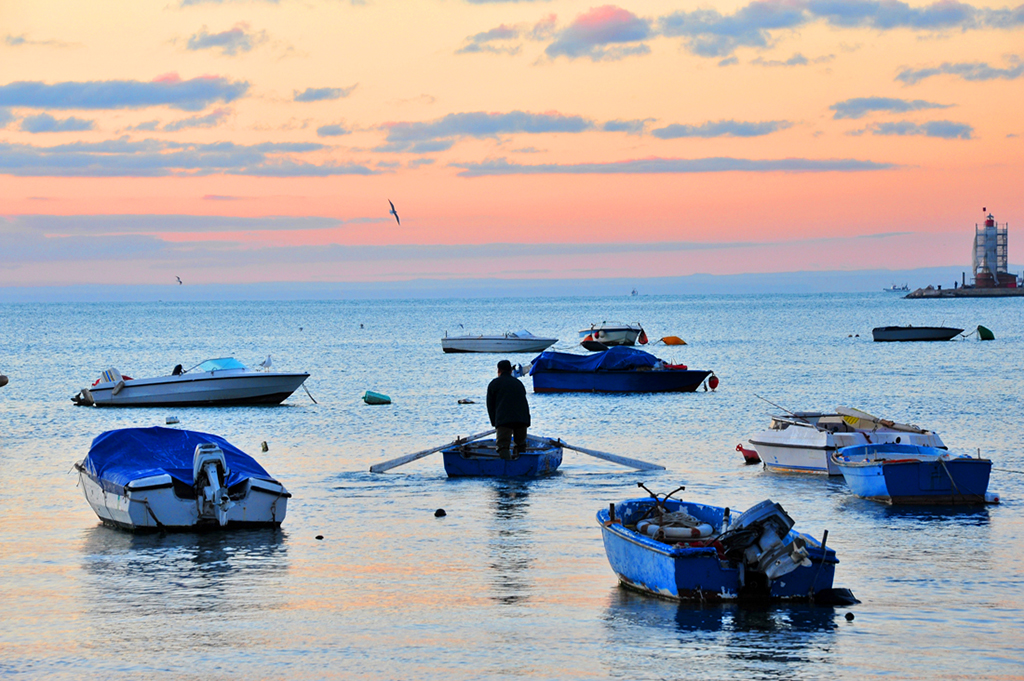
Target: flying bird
<point>394,212</point>
<point>178,278</point>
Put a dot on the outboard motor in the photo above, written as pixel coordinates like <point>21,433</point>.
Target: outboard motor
<point>210,472</point>
<point>759,535</point>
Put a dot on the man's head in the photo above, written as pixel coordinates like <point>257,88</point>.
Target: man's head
<point>504,367</point>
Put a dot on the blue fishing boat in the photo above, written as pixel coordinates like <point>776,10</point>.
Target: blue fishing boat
<point>687,551</point>
<point>619,369</point>
<point>480,459</point>
<point>910,474</point>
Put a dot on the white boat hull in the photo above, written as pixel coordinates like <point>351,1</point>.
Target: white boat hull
<point>499,344</point>
<point>800,449</point>
<point>152,504</point>
<point>215,388</point>
<point>612,335</point>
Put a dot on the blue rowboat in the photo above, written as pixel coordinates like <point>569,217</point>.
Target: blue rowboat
<point>754,555</point>
<point>618,370</point>
<point>910,474</point>
<point>480,459</point>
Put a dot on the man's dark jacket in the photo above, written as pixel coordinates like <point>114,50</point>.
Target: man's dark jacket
<point>506,402</point>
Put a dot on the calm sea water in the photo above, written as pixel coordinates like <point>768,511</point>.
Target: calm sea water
<point>513,583</point>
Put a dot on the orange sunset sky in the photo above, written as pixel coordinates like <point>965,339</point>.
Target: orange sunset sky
<point>258,141</point>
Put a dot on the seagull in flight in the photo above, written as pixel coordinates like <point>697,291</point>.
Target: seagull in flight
<point>178,278</point>
<point>394,212</point>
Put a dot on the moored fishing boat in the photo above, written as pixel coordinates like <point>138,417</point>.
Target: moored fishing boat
<point>888,334</point>
<point>683,550</point>
<point>609,334</point>
<point>520,341</point>
<point>907,474</point>
<point>480,459</point>
<point>804,441</point>
<point>617,370</point>
<point>169,479</point>
<point>214,382</point>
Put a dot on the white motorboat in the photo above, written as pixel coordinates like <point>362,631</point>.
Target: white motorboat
<point>804,441</point>
<point>520,341</point>
<point>159,479</point>
<point>215,382</point>
<point>607,334</point>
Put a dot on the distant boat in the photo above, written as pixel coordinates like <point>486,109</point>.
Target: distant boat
<point>635,293</point>
<point>609,334</point>
<point>907,474</point>
<point>887,334</point>
<point>897,289</point>
<point>617,370</point>
<point>215,382</point>
<point>168,479</point>
<point>480,459</point>
<point>520,341</point>
<point>696,552</point>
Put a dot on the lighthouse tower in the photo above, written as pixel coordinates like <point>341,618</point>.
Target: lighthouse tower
<point>990,260</point>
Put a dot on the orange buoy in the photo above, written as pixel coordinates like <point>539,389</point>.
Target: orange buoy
<point>643,337</point>
<point>713,381</point>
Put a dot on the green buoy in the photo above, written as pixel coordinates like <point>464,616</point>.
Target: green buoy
<point>985,334</point>
<point>371,397</point>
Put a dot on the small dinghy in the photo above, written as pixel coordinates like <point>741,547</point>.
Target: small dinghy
<point>167,479</point>
<point>480,459</point>
<point>907,474</point>
<point>687,551</point>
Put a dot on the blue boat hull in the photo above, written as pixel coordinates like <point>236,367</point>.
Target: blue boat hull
<point>681,572</point>
<point>480,459</point>
<point>662,381</point>
<point>924,479</point>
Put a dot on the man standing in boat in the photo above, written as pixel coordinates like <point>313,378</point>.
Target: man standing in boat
<point>508,410</point>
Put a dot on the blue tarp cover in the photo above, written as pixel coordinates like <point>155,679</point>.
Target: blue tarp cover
<point>120,456</point>
<point>616,358</point>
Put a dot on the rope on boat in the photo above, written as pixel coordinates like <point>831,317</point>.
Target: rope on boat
<point>1008,470</point>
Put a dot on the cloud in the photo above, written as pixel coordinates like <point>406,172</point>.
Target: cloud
<point>44,122</point>
<point>603,33</point>
<point>211,120</point>
<point>230,42</point>
<point>634,127</point>
<point>671,165</point>
<point>858,107</point>
<point>709,33</point>
<point>155,158</point>
<point>795,60</point>
<point>943,129</point>
<point>720,129</point>
<point>331,131</point>
<point>319,94</point>
<point>974,71</point>
<point>167,90</point>
<point>504,34</point>
<point>5,117</point>
<point>440,134</point>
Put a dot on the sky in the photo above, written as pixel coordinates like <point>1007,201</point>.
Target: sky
<point>253,141</point>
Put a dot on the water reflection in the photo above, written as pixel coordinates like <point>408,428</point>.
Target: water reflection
<point>510,542</point>
<point>159,579</point>
<point>766,641</point>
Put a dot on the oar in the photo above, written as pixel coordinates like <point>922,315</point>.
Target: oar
<point>614,458</point>
<point>408,458</point>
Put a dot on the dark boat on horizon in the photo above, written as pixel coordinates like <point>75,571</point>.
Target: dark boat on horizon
<point>885,334</point>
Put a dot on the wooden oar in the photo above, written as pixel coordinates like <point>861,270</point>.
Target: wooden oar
<point>614,458</point>
<point>408,458</point>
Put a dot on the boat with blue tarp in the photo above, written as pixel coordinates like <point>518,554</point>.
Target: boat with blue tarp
<point>619,369</point>
<point>683,550</point>
<point>909,474</point>
<point>168,479</point>
<point>480,458</point>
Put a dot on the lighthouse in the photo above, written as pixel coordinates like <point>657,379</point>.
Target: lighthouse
<point>990,260</point>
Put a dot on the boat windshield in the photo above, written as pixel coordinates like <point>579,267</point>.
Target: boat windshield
<point>220,364</point>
